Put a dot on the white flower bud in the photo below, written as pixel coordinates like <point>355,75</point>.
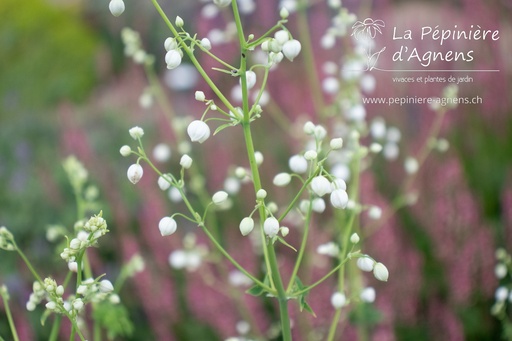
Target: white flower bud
<point>282,36</point>
<point>199,96</point>
<point>82,290</point>
<point>51,305</point>
<point>339,198</point>
<point>261,194</point>
<point>60,290</point>
<point>365,264</point>
<point>222,3</point>
<point>250,78</point>
<point>240,172</point>
<point>271,227</point>
<point>162,152</point>
<point>282,179</point>
<point>73,266</point>
<point>338,300</point>
<point>198,131</point>
<point>368,295</point>
<point>501,294</point>
<point>310,155</point>
<point>116,7</point>
<point>318,205</point>
<point>136,132</point>
<point>259,158</point>
<point>411,165</point>
<point>179,21</point>
<point>272,207</point>
<point>284,13</point>
<point>320,132</point>
<point>172,59</point>
<point>309,128</point>
<point>354,238</point>
<point>106,286</point>
<point>298,164</point>
<point>135,173</point>
<point>164,182</point>
<point>205,42</point>
<point>381,272</point>
<point>219,198</point>
<point>375,212</point>
<point>125,150</point>
<point>378,128</point>
<point>31,306</point>
<point>285,231</point>
<point>500,270</point>
<point>78,304</point>
<point>170,44</point>
<point>320,185</point>
<point>375,148</point>
<point>246,226</point>
<point>329,249</point>
<point>274,46</point>
<point>339,184</point>
<point>114,299</point>
<point>291,49</point>
<point>167,226</point>
<point>336,143</point>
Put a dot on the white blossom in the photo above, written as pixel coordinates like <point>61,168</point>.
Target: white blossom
<point>298,164</point>
<point>172,59</point>
<point>365,264</point>
<point>339,198</point>
<point>246,226</point>
<point>282,179</point>
<point>338,300</point>
<point>354,238</point>
<point>125,150</point>
<point>318,205</point>
<point>291,49</point>
<point>198,131</point>
<point>135,173</point>
<point>320,185</point>
<point>219,198</point>
<point>271,227</point>
<point>186,161</point>
<point>136,132</point>
<point>167,226</point>
<point>381,272</point>
<point>164,182</point>
<point>161,152</point>
<point>116,7</point>
<point>368,295</point>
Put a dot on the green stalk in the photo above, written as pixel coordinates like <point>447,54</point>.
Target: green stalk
<point>5,298</point>
<point>272,259</point>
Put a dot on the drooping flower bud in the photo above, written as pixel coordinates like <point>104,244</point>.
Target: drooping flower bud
<point>167,226</point>
<point>271,227</point>
<point>381,272</point>
<point>365,264</point>
<point>219,197</point>
<point>198,131</point>
<point>291,49</point>
<point>116,7</point>
<point>320,185</point>
<point>172,59</point>
<point>298,164</point>
<point>339,198</point>
<point>135,173</point>
<point>282,179</point>
<point>338,300</point>
<point>186,161</point>
<point>246,226</point>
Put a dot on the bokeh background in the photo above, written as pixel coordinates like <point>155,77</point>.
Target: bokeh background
<point>66,88</point>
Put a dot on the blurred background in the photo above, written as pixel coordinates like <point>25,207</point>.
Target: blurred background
<point>66,88</point>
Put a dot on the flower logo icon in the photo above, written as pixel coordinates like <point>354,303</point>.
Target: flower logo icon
<point>367,30</point>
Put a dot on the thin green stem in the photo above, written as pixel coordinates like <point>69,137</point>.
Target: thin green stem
<point>54,334</point>
<point>5,298</point>
<point>29,265</point>
<point>329,274</point>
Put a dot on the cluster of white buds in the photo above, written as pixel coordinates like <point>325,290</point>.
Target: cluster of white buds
<point>503,293</point>
<point>133,46</point>
<point>281,45</point>
<point>91,290</point>
<point>86,237</point>
<point>6,239</point>
<point>387,139</point>
<point>330,249</point>
<point>190,257</point>
<point>340,25</point>
<point>368,264</point>
<point>174,53</point>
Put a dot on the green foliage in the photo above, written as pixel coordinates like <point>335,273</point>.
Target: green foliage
<point>114,318</point>
<point>365,314</point>
<point>47,55</point>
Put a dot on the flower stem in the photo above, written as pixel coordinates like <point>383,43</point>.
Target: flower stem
<point>5,298</point>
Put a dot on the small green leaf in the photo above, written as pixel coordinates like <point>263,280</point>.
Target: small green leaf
<point>307,307</point>
<point>222,127</point>
<point>286,244</point>
<point>255,290</point>
<point>45,316</point>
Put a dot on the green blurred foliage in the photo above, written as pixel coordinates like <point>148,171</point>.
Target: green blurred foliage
<point>46,55</point>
